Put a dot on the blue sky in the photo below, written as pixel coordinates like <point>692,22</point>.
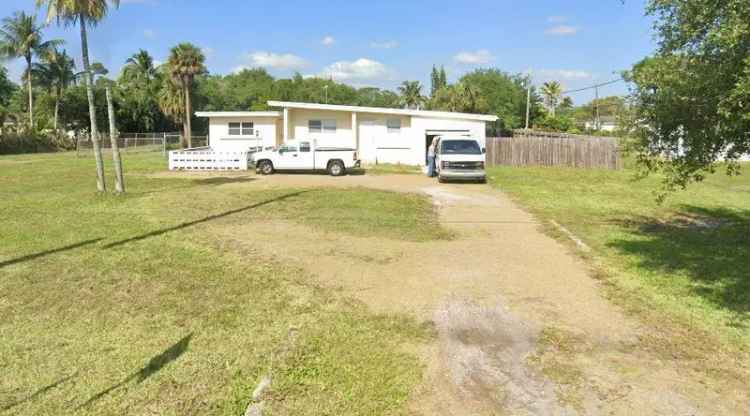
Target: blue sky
<point>379,43</point>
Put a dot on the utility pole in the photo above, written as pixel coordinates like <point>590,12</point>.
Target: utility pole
<point>325,88</point>
<point>596,108</point>
<point>528,103</point>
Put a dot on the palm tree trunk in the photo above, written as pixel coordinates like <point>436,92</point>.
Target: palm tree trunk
<point>57,108</point>
<point>119,179</point>
<point>101,185</point>
<point>31,93</point>
<point>188,127</point>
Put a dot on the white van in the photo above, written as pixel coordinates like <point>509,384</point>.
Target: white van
<point>460,158</point>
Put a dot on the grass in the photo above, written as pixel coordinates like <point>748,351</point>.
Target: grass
<point>687,260</point>
<point>125,304</point>
<point>393,169</point>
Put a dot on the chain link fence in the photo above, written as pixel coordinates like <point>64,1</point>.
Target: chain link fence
<point>140,142</point>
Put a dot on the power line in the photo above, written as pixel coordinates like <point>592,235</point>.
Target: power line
<point>593,86</point>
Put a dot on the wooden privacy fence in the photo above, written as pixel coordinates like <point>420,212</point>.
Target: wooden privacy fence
<point>579,152</point>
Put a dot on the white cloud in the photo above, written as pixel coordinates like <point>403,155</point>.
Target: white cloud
<point>15,69</point>
<point>557,19</point>
<point>562,30</point>
<point>361,69</point>
<point>208,52</point>
<point>388,44</point>
<point>562,75</point>
<point>274,60</point>
<point>481,56</point>
<point>328,41</point>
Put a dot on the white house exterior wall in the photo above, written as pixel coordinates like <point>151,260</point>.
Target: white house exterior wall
<point>377,145</point>
<point>343,137</point>
<point>219,138</point>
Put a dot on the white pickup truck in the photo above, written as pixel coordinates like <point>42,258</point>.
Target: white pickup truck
<point>305,155</point>
<point>459,158</point>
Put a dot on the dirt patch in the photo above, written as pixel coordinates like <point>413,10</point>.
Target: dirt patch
<point>489,292</point>
<point>485,352</point>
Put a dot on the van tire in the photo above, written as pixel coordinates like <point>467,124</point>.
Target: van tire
<point>265,167</point>
<point>336,168</point>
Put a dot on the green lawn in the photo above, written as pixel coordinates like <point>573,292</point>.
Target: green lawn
<point>126,304</point>
<point>687,259</point>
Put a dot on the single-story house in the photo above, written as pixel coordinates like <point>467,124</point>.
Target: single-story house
<point>380,135</point>
<point>606,123</point>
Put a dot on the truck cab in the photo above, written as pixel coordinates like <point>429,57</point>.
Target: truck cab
<point>460,158</point>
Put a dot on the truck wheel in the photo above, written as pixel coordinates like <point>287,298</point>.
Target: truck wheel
<point>266,167</point>
<point>336,168</point>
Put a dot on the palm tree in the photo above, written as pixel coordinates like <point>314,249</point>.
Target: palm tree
<point>21,37</point>
<point>186,61</point>
<point>172,101</point>
<point>57,71</point>
<point>84,12</point>
<point>411,94</point>
<point>552,92</point>
<point>139,68</point>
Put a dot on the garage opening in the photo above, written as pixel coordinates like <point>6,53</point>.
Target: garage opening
<point>431,134</point>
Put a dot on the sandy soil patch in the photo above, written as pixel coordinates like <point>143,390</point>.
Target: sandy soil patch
<point>490,293</point>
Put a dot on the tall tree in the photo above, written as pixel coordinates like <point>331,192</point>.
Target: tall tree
<point>21,37</point>
<point>411,94</point>
<point>84,13</point>
<point>691,97</point>
<point>434,81</point>
<point>443,80</point>
<point>186,61</point>
<point>172,102</point>
<point>140,83</point>
<point>117,161</point>
<point>57,72</point>
<point>7,89</point>
<point>552,92</point>
<point>140,69</point>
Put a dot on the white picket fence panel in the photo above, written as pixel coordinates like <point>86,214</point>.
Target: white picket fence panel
<point>207,159</point>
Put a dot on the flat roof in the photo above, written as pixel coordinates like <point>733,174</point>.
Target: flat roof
<point>381,110</point>
<point>238,113</point>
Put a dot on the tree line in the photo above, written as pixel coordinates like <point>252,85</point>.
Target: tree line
<point>689,100</point>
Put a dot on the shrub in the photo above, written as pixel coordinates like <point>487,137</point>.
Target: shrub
<point>15,143</point>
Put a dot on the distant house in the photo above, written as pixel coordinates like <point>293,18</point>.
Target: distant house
<point>606,123</point>
<point>380,135</point>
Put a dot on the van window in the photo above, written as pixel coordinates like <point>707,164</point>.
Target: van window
<point>459,147</point>
<point>304,146</point>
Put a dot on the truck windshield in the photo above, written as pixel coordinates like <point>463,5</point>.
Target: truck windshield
<point>460,147</point>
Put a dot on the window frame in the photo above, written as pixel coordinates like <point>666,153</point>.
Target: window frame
<point>240,128</point>
<point>393,129</point>
<point>323,125</point>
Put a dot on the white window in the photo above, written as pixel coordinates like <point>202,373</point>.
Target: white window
<point>241,129</point>
<point>321,126</point>
<point>394,125</point>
